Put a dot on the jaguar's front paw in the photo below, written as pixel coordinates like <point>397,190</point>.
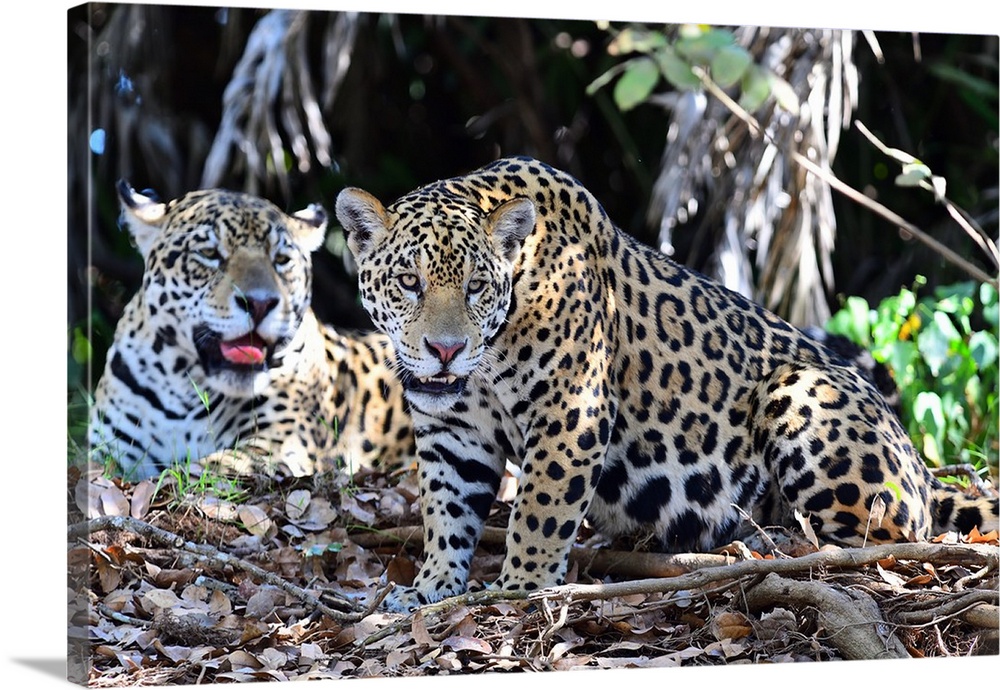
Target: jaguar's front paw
<point>402,599</point>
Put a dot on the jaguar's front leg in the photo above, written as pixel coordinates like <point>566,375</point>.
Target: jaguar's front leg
<point>458,476</point>
<point>558,482</point>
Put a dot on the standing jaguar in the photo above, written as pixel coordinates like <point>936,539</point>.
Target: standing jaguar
<point>630,389</point>
<point>219,358</point>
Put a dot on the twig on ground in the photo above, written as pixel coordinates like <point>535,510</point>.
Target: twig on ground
<point>210,553</point>
<point>953,554</point>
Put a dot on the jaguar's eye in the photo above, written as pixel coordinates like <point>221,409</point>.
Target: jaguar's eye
<point>282,259</point>
<point>476,286</point>
<point>409,282</point>
<point>210,254</point>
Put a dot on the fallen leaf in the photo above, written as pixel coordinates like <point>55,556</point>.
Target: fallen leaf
<point>731,625</point>
<point>217,509</point>
<point>371,668</point>
<point>241,660</point>
<point>508,489</point>
<point>109,575</point>
<point>399,657</point>
<point>263,601</point>
<point>888,562</point>
<point>891,578</point>
<point>176,653</point>
<point>776,625</point>
<point>877,512</point>
<point>113,501</point>
<point>975,537</point>
<point>460,643</point>
<point>272,658</point>
<point>255,520</point>
<point>361,513</point>
<point>142,498</point>
<point>807,528</point>
<point>448,661</point>
<point>401,570</point>
<point>565,664</point>
<point>296,503</point>
<point>318,515</point>
<point>724,648</point>
<point>371,624</point>
<point>159,599</point>
<point>418,628</point>
<point>252,630</point>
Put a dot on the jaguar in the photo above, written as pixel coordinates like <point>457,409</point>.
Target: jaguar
<point>632,391</point>
<point>219,360</point>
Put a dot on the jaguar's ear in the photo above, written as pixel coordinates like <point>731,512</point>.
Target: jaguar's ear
<point>142,214</point>
<point>309,233</point>
<point>509,223</point>
<point>364,220</point>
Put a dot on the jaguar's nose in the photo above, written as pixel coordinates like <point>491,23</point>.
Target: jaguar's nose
<point>445,350</point>
<point>258,306</point>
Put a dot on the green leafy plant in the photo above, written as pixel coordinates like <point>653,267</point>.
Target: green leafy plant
<point>942,350</point>
<point>698,52</point>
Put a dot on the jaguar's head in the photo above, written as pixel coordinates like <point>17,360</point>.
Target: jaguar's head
<point>227,280</point>
<point>435,274</point>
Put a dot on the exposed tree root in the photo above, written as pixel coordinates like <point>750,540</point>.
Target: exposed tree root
<point>955,554</point>
<point>850,618</point>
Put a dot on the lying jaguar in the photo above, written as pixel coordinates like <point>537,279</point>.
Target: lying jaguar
<point>219,358</point>
<point>632,391</point>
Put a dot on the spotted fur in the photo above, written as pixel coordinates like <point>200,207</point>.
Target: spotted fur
<point>219,357</point>
<point>630,389</point>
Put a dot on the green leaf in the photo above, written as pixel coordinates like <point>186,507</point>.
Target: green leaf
<point>677,71</point>
<point>852,321</point>
<point>928,409</point>
<point>637,40</point>
<point>894,488</point>
<point>991,307</point>
<point>81,349</point>
<point>902,357</point>
<point>729,65</point>
<point>604,79</point>
<point>701,47</point>
<point>983,349</point>
<point>635,85</point>
<point>755,89</point>
<point>935,341</point>
<point>931,449</point>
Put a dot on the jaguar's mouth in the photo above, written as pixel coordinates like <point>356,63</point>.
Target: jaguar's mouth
<point>250,350</point>
<point>439,384</point>
<point>248,353</point>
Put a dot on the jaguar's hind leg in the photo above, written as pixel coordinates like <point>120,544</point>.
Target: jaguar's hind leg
<point>837,453</point>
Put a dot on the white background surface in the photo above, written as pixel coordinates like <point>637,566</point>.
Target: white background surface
<point>33,336</point>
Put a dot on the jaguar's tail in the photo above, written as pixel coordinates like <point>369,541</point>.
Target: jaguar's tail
<point>953,509</point>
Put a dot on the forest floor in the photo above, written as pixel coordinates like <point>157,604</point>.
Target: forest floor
<point>178,584</point>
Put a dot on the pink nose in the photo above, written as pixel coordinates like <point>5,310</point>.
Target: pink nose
<point>445,351</point>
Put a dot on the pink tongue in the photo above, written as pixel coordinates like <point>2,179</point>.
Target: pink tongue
<point>245,350</point>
